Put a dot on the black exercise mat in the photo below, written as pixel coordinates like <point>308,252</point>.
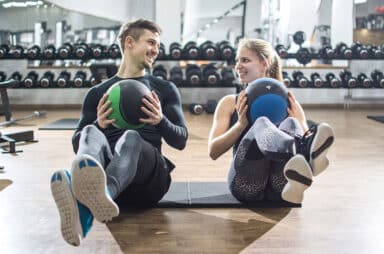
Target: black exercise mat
<point>62,124</point>
<point>208,194</point>
<point>377,118</point>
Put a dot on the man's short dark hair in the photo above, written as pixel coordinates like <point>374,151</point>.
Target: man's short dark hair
<point>135,29</point>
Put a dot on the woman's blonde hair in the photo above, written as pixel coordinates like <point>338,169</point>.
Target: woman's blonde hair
<point>265,52</point>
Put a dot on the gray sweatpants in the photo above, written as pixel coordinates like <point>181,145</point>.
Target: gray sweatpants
<point>256,172</point>
<point>135,169</point>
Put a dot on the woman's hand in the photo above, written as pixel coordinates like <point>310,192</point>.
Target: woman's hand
<point>242,108</point>
<point>295,110</point>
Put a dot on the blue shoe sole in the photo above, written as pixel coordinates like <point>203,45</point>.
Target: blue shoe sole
<point>89,188</point>
<point>67,206</point>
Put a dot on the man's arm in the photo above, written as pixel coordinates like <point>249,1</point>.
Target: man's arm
<point>172,126</point>
<point>88,116</point>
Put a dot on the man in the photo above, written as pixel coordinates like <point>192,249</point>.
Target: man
<point>115,164</point>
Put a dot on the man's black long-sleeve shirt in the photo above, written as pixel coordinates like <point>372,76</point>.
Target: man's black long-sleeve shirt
<point>172,127</point>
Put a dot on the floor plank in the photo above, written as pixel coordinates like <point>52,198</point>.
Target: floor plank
<point>341,213</point>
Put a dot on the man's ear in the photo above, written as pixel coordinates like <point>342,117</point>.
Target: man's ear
<point>128,43</point>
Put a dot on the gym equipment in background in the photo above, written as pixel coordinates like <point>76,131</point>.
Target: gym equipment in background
<point>317,81</point>
<point>81,51</point>
<point>161,54</point>
<point>126,101</point>
<point>47,79</point>
<point>4,50</point>
<point>175,51</point>
<point>347,79</point>
<point>226,51</point>
<point>16,52</point>
<point>332,80</point>
<point>228,76</point>
<point>378,78</point>
<point>63,79</point>
<point>299,79</point>
<point>65,51</point>
<point>208,50</point>
<point>30,80</point>
<point>343,51</point>
<point>359,51</point>
<point>33,52</point>
<point>196,109</point>
<point>364,81</point>
<point>193,74</point>
<point>159,71</point>
<point>49,52</point>
<point>114,51</point>
<point>267,97</point>
<point>287,80</point>
<point>176,75</point>
<point>79,79</point>
<point>190,50</point>
<point>211,76</point>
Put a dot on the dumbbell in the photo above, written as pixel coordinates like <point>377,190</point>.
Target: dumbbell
<point>193,74</point>
<point>33,52</point>
<point>49,52</point>
<point>65,51</point>
<point>332,80</point>
<point>317,81</point>
<point>299,79</point>
<point>3,76</point>
<point>93,81</point>
<point>16,51</point>
<point>63,79</point>
<point>176,75</point>
<point>159,71</point>
<point>374,52</point>
<point>208,50</point>
<point>343,51</point>
<point>359,51</point>
<point>196,109</point>
<point>190,50</point>
<point>211,76</point>
<point>281,50</point>
<point>79,79</point>
<point>210,106</point>
<point>226,51</point>
<point>97,51</point>
<point>364,81</point>
<point>30,80</point>
<point>378,78</point>
<point>227,75</point>
<point>16,76</point>
<point>81,51</point>
<point>286,79</point>
<point>303,56</point>
<point>47,79</point>
<point>114,51</point>
<point>348,80</point>
<point>161,53</point>
<point>4,50</point>
<point>299,37</point>
<point>326,52</point>
<point>175,50</point>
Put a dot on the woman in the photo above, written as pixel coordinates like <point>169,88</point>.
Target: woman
<point>270,162</point>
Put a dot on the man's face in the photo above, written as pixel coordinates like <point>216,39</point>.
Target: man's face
<point>145,50</point>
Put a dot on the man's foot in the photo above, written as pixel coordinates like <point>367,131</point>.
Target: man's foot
<point>89,186</point>
<point>314,145</point>
<point>299,176</point>
<point>76,219</point>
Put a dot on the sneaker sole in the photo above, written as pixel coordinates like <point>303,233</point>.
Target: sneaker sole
<point>89,187</point>
<point>67,206</point>
<point>322,142</point>
<point>299,176</point>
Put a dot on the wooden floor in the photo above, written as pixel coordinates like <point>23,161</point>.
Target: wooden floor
<point>342,211</point>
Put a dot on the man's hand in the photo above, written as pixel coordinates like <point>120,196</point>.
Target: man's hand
<point>103,111</point>
<point>152,108</point>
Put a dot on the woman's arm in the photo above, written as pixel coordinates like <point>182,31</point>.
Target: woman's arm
<point>222,136</point>
<point>295,110</point>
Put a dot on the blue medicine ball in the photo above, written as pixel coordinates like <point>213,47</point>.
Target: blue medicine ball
<point>267,97</point>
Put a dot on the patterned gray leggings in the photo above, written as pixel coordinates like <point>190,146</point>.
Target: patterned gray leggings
<point>256,171</point>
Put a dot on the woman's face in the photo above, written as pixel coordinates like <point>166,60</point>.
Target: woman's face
<point>249,66</point>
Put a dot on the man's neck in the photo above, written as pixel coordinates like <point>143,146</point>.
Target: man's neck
<point>129,70</point>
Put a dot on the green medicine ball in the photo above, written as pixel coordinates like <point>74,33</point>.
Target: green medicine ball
<point>125,97</point>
